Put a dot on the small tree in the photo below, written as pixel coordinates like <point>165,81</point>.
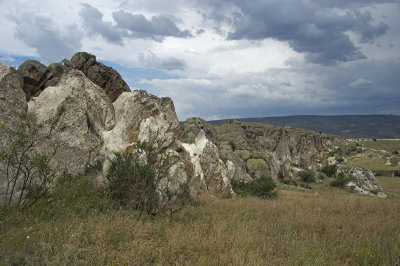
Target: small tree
<point>340,181</point>
<point>27,172</point>
<point>307,176</point>
<point>329,170</point>
<point>134,177</point>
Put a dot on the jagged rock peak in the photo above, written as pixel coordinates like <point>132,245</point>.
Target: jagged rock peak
<point>103,76</point>
<point>192,127</point>
<point>35,76</point>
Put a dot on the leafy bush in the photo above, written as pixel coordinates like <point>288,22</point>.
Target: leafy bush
<point>134,178</point>
<point>27,172</point>
<point>339,159</point>
<point>262,187</point>
<point>307,176</point>
<point>329,170</point>
<point>339,181</point>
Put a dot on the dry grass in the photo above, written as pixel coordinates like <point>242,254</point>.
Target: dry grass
<point>389,145</point>
<point>332,227</point>
<point>374,164</point>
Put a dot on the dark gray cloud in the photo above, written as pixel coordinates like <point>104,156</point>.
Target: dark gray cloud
<point>93,21</point>
<point>169,63</point>
<point>40,33</point>
<point>157,28</point>
<point>360,87</point>
<point>127,25</point>
<point>350,3</point>
<point>314,29</point>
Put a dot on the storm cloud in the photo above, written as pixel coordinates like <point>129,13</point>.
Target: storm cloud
<point>312,28</point>
<point>157,28</point>
<point>128,25</point>
<point>150,60</point>
<point>93,21</point>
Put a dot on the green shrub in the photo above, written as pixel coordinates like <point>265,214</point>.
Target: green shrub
<point>262,187</point>
<point>307,176</point>
<point>329,170</point>
<point>134,178</point>
<point>339,159</point>
<point>339,181</point>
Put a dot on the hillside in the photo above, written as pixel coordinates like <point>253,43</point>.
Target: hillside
<point>360,126</point>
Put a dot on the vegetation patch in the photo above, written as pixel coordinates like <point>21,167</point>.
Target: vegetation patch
<point>340,181</point>
<point>307,176</point>
<point>329,170</point>
<point>262,187</point>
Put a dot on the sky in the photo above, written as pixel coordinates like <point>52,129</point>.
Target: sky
<point>226,58</point>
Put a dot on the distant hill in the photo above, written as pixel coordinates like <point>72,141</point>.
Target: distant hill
<point>361,126</point>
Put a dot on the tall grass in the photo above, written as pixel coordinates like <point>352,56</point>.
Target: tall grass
<point>81,225</point>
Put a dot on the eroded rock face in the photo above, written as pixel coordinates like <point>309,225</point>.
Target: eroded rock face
<point>13,109</point>
<point>89,112</point>
<point>271,150</point>
<point>103,76</point>
<point>13,105</point>
<point>35,77</point>
<point>192,128</point>
<point>139,113</point>
<point>363,181</point>
<point>210,172</point>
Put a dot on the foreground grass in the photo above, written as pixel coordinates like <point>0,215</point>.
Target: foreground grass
<point>81,226</point>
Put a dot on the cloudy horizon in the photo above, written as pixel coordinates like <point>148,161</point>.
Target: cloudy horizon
<point>229,58</point>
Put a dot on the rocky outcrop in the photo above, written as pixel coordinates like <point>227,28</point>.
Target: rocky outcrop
<point>35,76</point>
<point>192,128</point>
<point>272,150</point>
<point>88,113</point>
<point>13,109</point>
<point>13,104</point>
<point>103,76</point>
<point>103,116</point>
<point>210,172</point>
<point>363,181</point>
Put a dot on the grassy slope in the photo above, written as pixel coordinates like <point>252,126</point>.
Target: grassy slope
<point>331,227</point>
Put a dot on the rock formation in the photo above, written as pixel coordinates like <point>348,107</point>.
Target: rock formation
<point>88,113</point>
<point>103,116</point>
<point>13,104</point>
<point>363,181</point>
<point>271,150</point>
<point>35,76</point>
<point>101,75</point>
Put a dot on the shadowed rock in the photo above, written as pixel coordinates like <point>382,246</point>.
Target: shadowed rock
<point>103,76</point>
<point>35,76</point>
